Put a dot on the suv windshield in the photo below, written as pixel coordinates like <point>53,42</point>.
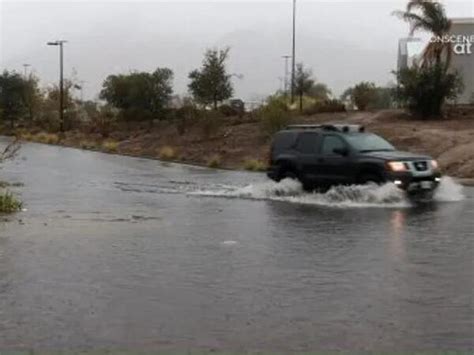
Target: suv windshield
<point>368,142</point>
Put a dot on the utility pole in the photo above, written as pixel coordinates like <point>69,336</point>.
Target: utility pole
<point>285,89</point>
<point>25,66</point>
<point>293,63</point>
<point>61,84</point>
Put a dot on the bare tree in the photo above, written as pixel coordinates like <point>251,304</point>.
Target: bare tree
<point>10,151</point>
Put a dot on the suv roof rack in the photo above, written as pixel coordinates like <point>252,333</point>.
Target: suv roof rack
<point>345,128</point>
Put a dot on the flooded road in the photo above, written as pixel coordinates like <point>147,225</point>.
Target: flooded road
<point>124,253</point>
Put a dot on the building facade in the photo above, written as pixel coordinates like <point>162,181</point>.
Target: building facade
<point>461,39</point>
<point>462,60</point>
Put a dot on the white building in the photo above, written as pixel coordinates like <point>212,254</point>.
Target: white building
<point>462,38</point>
<point>409,50</point>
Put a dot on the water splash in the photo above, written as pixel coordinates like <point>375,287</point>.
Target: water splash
<point>449,191</point>
<point>288,190</point>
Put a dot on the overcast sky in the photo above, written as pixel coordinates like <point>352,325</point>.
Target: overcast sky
<point>342,41</point>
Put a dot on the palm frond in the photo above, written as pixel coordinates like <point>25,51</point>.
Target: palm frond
<point>416,4</point>
<point>417,22</point>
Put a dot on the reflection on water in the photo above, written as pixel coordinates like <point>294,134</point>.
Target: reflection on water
<point>396,240</point>
<point>117,252</point>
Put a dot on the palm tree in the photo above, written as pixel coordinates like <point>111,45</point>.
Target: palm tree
<point>430,16</point>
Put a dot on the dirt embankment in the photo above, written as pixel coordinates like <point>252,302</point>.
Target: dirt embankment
<point>237,141</point>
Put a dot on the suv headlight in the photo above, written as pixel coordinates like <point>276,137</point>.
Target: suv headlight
<point>397,166</point>
<point>434,165</point>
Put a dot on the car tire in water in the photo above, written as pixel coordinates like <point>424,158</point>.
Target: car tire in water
<point>289,175</point>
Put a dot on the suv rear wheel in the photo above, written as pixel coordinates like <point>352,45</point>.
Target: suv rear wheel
<point>288,174</point>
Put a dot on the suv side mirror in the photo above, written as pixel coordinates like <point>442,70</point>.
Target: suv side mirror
<point>341,151</point>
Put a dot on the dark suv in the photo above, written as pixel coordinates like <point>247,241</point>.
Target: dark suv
<point>321,156</point>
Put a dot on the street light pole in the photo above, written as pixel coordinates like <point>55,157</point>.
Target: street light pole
<point>25,66</point>
<point>61,85</point>
<point>285,88</point>
<point>293,64</point>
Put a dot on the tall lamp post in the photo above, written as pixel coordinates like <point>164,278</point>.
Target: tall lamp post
<point>61,86</point>
<point>293,64</point>
<point>25,67</point>
<point>285,83</point>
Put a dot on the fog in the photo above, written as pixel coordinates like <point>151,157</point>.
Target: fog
<point>342,41</point>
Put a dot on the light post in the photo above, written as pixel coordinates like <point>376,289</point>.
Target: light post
<point>25,68</point>
<point>285,83</point>
<point>61,86</point>
<point>293,64</point>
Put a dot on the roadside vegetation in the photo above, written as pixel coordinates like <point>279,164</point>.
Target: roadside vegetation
<point>214,161</point>
<point>167,153</point>
<point>254,165</point>
<point>8,202</point>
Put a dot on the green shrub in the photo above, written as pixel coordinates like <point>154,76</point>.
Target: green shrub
<point>48,120</point>
<point>135,114</point>
<point>103,120</point>
<point>423,90</point>
<point>184,116</point>
<point>228,111</point>
<point>364,94</point>
<point>214,161</point>
<point>254,165</point>
<point>8,203</point>
<point>325,106</point>
<point>274,116</point>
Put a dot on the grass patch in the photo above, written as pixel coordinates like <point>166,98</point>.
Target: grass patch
<point>167,153</point>
<point>87,145</point>
<point>110,146</point>
<point>46,138</point>
<point>8,203</point>
<point>254,165</point>
<point>214,161</point>
<point>26,136</point>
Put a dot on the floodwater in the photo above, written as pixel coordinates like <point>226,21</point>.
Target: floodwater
<point>123,253</point>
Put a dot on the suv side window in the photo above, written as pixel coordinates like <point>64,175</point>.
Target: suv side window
<point>283,141</point>
<point>330,143</point>
<point>307,143</point>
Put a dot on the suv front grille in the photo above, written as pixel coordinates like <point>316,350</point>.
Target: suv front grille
<point>420,165</point>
